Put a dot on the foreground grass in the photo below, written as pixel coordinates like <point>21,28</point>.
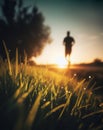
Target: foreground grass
<point>33,98</point>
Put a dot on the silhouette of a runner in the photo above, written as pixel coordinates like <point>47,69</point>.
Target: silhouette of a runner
<point>68,42</point>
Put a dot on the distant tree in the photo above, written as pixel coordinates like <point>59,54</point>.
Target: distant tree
<point>97,61</point>
<point>23,27</point>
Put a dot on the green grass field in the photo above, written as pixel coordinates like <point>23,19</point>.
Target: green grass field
<point>36,98</point>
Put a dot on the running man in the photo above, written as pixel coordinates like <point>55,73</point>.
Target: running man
<point>68,42</point>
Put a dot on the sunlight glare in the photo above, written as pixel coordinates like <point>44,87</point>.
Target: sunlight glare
<point>62,63</point>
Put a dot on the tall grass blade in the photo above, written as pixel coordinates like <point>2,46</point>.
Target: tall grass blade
<point>25,59</point>
<point>8,58</point>
<point>45,104</point>
<point>54,110</point>
<point>32,114</point>
<point>92,114</point>
<point>24,95</point>
<point>66,104</point>
<point>16,65</point>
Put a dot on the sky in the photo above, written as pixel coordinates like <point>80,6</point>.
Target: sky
<point>85,22</point>
<point>83,18</point>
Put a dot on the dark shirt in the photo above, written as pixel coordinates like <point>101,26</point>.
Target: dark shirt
<point>68,41</point>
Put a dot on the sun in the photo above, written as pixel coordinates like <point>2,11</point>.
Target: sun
<point>61,63</point>
<point>61,66</point>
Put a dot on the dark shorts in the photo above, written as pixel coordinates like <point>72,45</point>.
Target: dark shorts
<point>68,51</point>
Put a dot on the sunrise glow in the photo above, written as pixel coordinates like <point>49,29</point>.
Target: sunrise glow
<point>62,63</point>
<point>88,37</point>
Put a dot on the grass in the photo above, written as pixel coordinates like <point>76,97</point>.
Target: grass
<point>34,97</point>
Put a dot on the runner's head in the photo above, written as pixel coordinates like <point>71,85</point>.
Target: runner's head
<point>68,33</point>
